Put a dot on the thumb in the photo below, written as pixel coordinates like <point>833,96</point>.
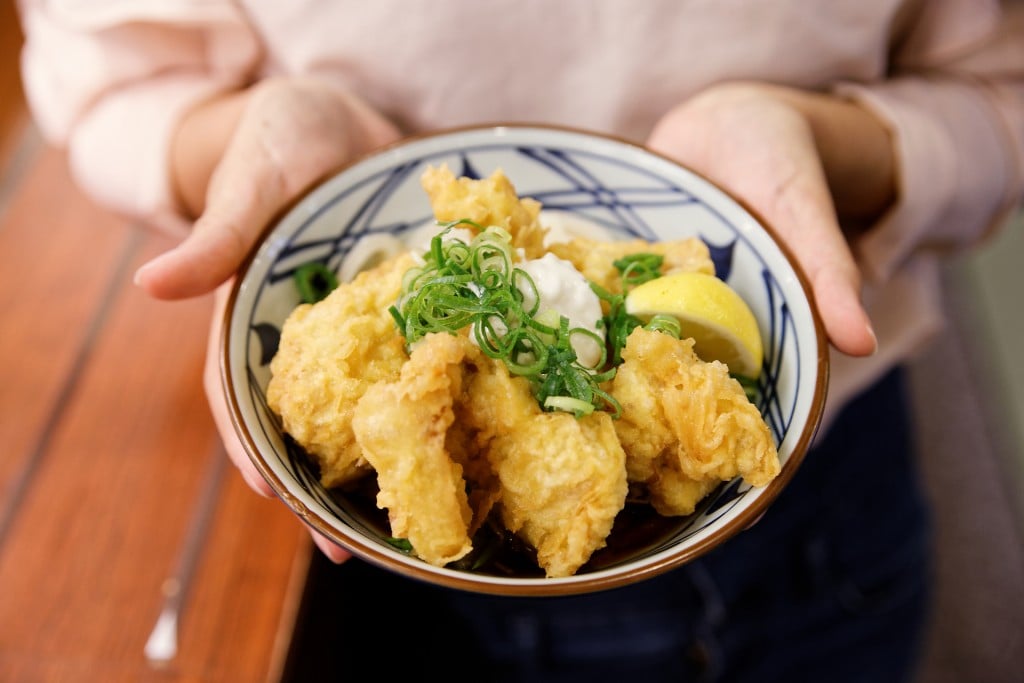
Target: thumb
<point>837,293</point>
<point>242,200</point>
<point>246,190</point>
<point>206,258</point>
<point>809,229</point>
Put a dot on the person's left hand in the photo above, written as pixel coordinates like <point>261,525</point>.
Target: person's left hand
<point>758,143</point>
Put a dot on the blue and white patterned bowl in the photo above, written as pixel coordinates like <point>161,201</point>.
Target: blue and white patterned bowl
<point>624,188</point>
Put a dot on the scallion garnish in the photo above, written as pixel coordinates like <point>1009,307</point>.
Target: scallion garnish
<point>401,544</point>
<point>635,269</point>
<point>666,324</point>
<point>477,285</point>
<point>750,387</point>
<point>314,281</point>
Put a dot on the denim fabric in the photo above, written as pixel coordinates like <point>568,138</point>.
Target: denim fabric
<point>832,584</point>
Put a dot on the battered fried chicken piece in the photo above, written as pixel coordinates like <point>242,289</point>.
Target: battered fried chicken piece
<point>496,402</point>
<point>402,427</point>
<point>493,403</point>
<point>563,479</point>
<point>488,201</point>
<point>483,490</point>
<point>670,492</point>
<point>329,353</point>
<point>686,425</point>
<point>454,438</point>
<point>595,258</point>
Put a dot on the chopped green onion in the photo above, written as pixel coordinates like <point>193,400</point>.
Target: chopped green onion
<point>401,544</point>
<point>477,285</point>
<point>617,323</point>
<point>750,386</point>
<point>666,324</point>
<point>569,405</point>
<point>314,281</point>
<point>637,269</point>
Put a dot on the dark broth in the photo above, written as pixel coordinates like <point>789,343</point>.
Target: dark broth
<point>496,552</point>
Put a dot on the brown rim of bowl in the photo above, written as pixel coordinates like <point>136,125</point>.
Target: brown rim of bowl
<point>581,583</point>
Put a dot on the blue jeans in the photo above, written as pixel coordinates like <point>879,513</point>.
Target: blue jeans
<point>832,584</point>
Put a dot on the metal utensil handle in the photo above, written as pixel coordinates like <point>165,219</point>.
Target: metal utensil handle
<point>162,644</point>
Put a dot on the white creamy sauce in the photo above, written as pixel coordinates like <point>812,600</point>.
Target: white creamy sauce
<point>564,291</point>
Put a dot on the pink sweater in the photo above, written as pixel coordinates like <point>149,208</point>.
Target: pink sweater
<point>110,78</point>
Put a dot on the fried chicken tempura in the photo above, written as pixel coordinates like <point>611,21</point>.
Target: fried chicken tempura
<point>686,425</point>
<point>563,479</point>
<point>563,482</point>
<point>595,258</point>
<point>402,427</point>
<point>488,201</point>
<point>455,439</point>
<point>559,481</point>
<point>329,354</point>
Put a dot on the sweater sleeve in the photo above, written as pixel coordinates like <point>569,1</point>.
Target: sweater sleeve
<point>109,79</point>
<point>954,102</point>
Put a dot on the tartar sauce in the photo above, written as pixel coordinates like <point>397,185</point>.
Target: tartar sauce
<point>564,291</point>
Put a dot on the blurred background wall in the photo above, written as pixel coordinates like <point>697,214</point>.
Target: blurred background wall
<point>969,392</point>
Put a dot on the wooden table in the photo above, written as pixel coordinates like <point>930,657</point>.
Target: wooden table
<point>108,450</point>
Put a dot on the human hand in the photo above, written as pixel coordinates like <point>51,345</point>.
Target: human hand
<point>238,161</point>
<point>793,157</point>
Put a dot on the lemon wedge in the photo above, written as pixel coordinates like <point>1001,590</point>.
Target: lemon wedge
<point>710,311</point>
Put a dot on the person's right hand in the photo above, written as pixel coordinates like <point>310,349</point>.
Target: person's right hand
<point>238,161</point>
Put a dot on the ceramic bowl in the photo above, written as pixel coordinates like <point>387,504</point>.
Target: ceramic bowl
<point>626,190</point>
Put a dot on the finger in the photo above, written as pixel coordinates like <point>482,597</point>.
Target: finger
<point>780,176</point>
<point>237,210</point>
<point>846,322</point>
<point>204,260</point>
<point>753,523</point>
<point>334,552</point>
<point>812,232</point>
<point>236,452</point>
<point>247,189</point>
<point>218,403</point>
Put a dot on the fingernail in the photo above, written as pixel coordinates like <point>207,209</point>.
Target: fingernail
<point>874,339</point>
<point>140,274</point>
<point>147,268</point>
